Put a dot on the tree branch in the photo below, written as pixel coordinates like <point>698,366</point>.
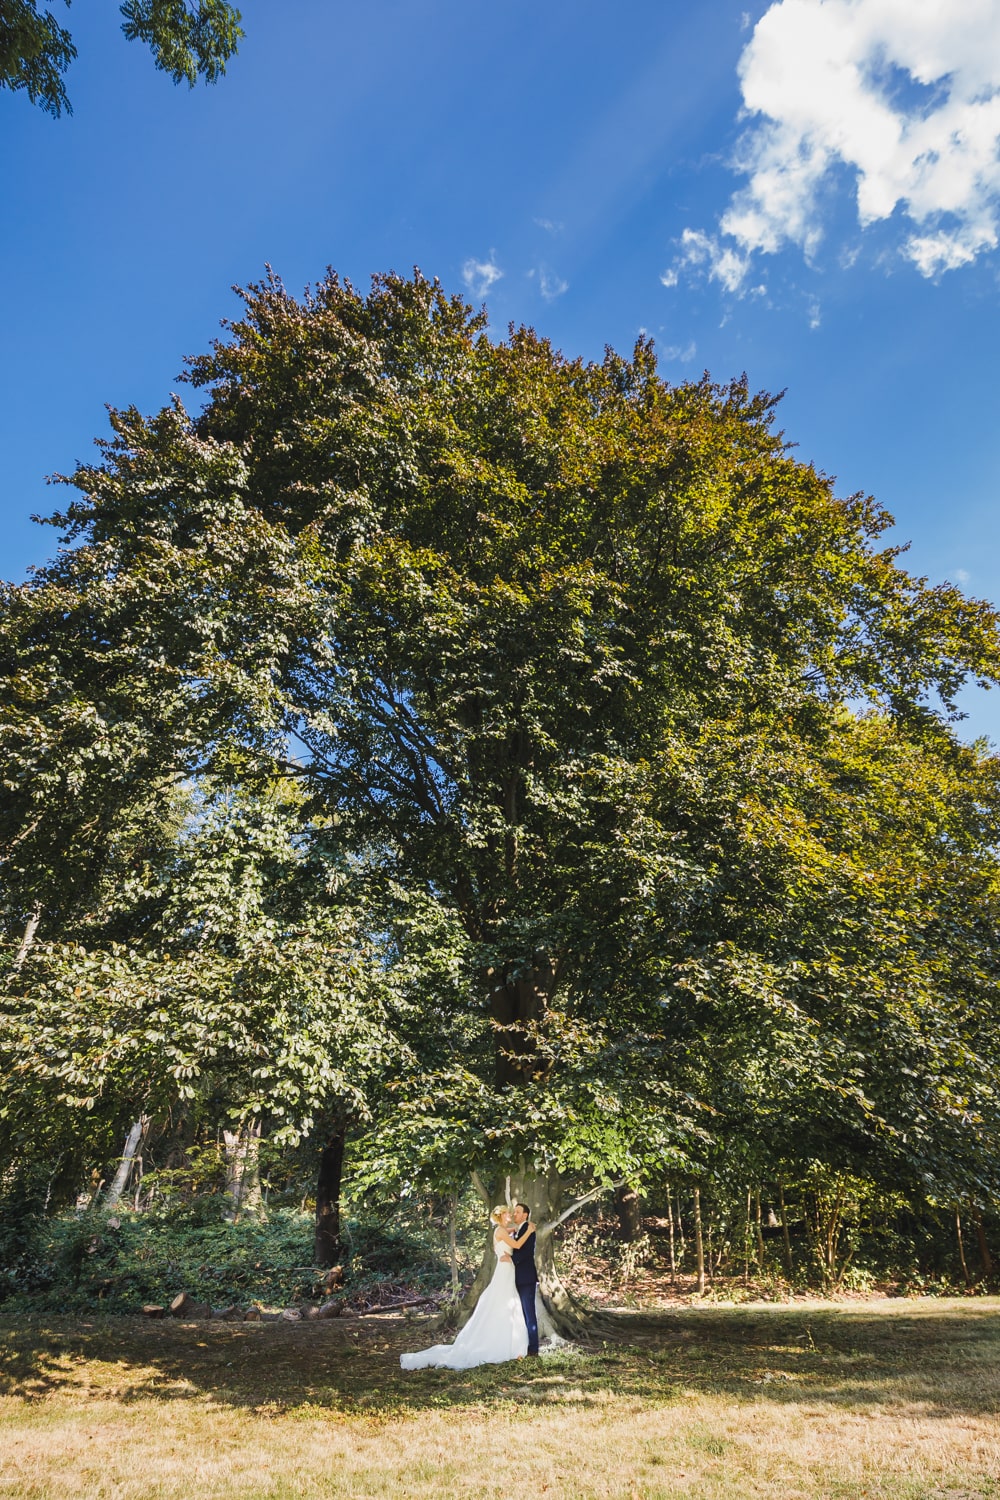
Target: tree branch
<point>480,1187</point>
<point>606,1187</point>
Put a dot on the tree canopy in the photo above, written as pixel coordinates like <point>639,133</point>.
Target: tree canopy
<point>188,41</point>
<point>627,745</point>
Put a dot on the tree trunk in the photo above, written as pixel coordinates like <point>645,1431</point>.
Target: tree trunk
<point>758,1230</point>
<point>670,1223</point>
<point>242,1149</point>
<point>453,1243</point>
<point>628,1207</point>
<point>518,1001</point>
<point>961,1248</point>
<point>784,1230</point>
<point>124,1172</point>
<point>984,1249</point>
<point>326,1244</point>
<point>31,927</point>
<point>542,1193</point>
<point>699,1243</point>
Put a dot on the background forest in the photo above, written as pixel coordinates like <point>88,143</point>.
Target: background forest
<point>435,767</point>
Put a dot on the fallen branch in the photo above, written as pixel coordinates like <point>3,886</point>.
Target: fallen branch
<point>394,1306</point>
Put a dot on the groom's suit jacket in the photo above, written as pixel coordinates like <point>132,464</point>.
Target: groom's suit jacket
<point>523,1256</point>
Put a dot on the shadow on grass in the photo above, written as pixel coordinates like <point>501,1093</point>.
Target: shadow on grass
<point>944,1362</point>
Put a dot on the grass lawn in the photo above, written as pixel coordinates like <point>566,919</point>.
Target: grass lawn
<point>889,1399</point>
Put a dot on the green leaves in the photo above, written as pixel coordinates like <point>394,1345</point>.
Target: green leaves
<point>564,666</point>
<point>35,51</point>
<point>187,42</point>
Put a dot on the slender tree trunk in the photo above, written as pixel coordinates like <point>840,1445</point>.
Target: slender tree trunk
<point>833,1233</point>
<point>786,1237</point>
<point>326,1242</point>
<point>670,1223</point>
<point>961,1248</point>
<point>758,1230</point>
<point>453,1243</point>
<point>242,1150</point>
<point>699,1243</point>
<point>984,1249</point>
<point>746,1239</point>
<point>121,1177</point>
<point>28,938</point>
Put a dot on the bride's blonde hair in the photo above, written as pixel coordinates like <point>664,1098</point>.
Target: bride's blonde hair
<point>496,1214</point>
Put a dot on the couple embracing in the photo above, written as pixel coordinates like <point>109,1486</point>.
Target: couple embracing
<point>505,1322</point>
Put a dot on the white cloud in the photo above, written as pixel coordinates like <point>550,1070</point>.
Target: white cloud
<point>480,275</point>
<point>902,97</point>
<point>550,285</point>
<point>549,225</point>
<point>961,576</point>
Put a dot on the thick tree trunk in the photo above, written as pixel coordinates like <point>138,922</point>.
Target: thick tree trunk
<point>518,1002</point>
<point>242,1150</point>
<point>124,1172</point>
<point>984,1249</point>
<point>542,1192</point>
<point>628,1207</point>
<point>326,1245</point>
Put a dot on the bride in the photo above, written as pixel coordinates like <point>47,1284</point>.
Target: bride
<point>496,1331</point>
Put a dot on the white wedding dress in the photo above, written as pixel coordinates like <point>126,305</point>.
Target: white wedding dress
<point>495,1332</point>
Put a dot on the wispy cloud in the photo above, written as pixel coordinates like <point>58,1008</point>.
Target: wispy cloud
<point>550,285</point>
<point>480,275</point>
<point>709,254</point>
<point>712,257</point>
<point>680,354</point>
<point>901,96</point>
<point>551,226</point>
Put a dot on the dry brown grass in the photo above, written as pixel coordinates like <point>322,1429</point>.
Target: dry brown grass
<point>894,1400</point>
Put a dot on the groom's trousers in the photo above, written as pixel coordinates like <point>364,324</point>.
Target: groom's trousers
<point>527,1296</point>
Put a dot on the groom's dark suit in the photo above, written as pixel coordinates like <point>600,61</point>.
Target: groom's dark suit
<point>526,1280</point>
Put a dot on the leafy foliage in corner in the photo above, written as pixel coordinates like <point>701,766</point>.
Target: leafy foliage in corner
<point>187,41</point>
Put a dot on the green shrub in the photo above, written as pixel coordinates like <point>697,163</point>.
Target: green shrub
<point>115,1262</point>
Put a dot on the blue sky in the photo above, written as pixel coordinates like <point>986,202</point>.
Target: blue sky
<point>805,190</point>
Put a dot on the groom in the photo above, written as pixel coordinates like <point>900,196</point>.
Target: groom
<point>525,1272</point>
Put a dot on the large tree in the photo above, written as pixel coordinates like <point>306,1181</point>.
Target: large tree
<point>579,659</point>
